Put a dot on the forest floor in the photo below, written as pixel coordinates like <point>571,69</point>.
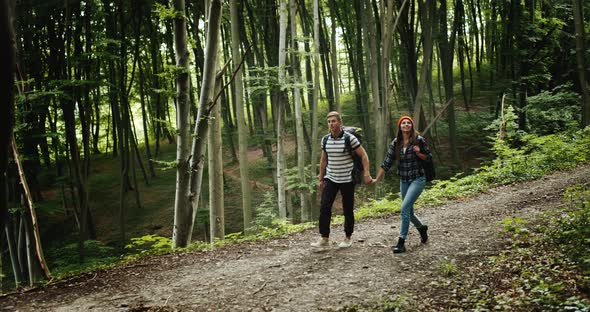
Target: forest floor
<point>286,274</point>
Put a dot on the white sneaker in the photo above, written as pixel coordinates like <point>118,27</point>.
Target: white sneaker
<point>347,242</point>
<point>321,243</point>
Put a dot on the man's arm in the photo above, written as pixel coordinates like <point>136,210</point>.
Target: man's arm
<point>323,164</point>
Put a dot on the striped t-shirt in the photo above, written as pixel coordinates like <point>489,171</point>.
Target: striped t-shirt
<point>340,163</point>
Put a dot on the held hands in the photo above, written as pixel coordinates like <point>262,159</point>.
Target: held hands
<point>369,180</point>
<point>416,149</point>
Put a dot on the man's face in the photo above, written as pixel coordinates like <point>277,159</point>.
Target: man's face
<point>334,124</point>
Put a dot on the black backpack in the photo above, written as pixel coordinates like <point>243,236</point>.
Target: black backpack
<point>357,169</point>
<point>427,165</point>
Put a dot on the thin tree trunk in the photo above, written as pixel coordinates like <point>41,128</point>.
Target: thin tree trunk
<point>581,62</point>
<point>155,83</point>
<point>362,105</point>
<point>333,54</point>
<point>325,58</point>
<point>216,193</point>
<point>372,60</point>
<point>474,31</point>
<point>31,212</point>
<point>144,115</point>
<point>446,47</point>
<point>315,151</point>
<point>305,213</point>
<point>281,111</point>
<point>428,10</point>
<point>239,104</point>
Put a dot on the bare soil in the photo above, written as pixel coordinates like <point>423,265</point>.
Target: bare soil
<point>287,275</point>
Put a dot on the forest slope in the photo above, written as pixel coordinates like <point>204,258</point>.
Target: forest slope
<point>287,275</point>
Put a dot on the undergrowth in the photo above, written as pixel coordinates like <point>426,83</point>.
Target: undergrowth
<point>544,266</point>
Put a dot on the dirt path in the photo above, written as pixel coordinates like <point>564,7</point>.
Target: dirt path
<point>286,275</point>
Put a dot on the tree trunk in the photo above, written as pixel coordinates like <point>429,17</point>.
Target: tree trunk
<point>215,158</point>
<point>315,151</point>
<point>581,62</point>
<point>155,84</point>
<point>242,130</point>
<point>333,55</point>
<point>182,119</point>
<point>7,49</point>
<point>305,213</point>
<point>446,48</point>
<point>372,60</point>
<point>427,10</point>
<point>144,119</point>
<point>325,58</point>
<point>38,249</point>
<point>362,105</point>
<point>187,198</point>
<point>388,29</point>
<point>281,111</point>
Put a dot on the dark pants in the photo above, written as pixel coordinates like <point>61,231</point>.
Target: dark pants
<point>328,196</point>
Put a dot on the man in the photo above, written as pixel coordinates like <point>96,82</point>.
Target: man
<point>336,175</point>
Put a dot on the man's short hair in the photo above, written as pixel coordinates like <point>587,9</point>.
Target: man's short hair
<point>334,114</point>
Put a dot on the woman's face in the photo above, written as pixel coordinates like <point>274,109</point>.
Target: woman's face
<point>406,125</point>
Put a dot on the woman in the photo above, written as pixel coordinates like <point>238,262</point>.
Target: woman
<point>409,149</point>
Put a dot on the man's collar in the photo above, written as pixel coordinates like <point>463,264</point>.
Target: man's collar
<point>339,135</point>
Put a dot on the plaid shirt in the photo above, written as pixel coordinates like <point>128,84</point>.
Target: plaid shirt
<point>409,167</point>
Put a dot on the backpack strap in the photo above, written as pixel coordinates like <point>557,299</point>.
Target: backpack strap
<point>422,141</point>
<point>347,144</point>
<point>324,142</point>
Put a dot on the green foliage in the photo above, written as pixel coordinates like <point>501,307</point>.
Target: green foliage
<point>165,165</point>
<point>262,79</point>
<point>165,12</point>
<point>63,258</point>
<point>511,126</point>
<point>516,227</point>
<point>150,244</point>
<point>573,228</point>
<point>266,213</point>
<point>294,183</point>
<point>379,207</point>
<point>448,267</point>
<point>167,124</point>
<point>554,111</point>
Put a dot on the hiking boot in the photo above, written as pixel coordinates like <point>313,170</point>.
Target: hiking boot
<point>347,242</point>
<point>399,248</point>
<point>321,243</point>
<point>423,233</point>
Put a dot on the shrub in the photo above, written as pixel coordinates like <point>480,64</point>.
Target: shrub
<point>554,111</point>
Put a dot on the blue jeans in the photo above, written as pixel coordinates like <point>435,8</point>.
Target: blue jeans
<point>410,191</point>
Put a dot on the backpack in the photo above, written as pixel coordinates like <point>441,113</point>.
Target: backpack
<point>357,169</point>
<point>427,165</point>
